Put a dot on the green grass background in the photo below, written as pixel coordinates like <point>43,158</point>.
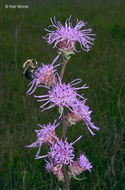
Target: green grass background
<point>103,69</point>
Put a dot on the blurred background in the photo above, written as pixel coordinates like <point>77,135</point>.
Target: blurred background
<point>103,69</point>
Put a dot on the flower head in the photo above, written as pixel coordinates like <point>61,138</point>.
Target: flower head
<point>81,112</point>
<point>82,164</point>
<point>67,36</point>
<point>62,95</point>
<point>45,135</point>
<point>43,75</point>
<point>62,152</point>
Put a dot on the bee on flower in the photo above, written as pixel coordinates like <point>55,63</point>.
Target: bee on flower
<point>44,75</point>
<point>29,68</point>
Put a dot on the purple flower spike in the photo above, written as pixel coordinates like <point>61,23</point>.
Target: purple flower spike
<point>43,75</point>
<point>45,135</point>
<point>67,36</point>
<point>62,95</point>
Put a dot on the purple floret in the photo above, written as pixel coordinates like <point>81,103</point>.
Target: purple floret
<point>49,166</point>
<point>84,162</point>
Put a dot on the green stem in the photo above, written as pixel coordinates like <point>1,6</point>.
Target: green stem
<point>63,68</point>
<point>64,129</point>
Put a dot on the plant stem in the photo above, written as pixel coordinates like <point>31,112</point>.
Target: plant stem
<point>66,178</point>
<point>63,68</point>
<point>64,129</point>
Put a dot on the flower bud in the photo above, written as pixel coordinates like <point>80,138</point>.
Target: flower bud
<point>73,118</point>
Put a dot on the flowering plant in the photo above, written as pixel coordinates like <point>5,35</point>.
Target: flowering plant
<point>60,159</point>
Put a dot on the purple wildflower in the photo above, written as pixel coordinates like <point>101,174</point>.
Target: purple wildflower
<point>62,152</point>
<point>45,135</point>
<point>82,164</point>
<point>43,75</point>
<point>67,36</point>
<point>62,95</point>
<point>81,112</point>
